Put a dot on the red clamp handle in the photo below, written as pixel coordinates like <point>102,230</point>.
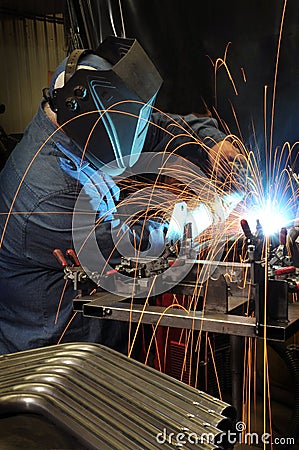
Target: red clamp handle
<point>72,255</point>
<point>60,258</point>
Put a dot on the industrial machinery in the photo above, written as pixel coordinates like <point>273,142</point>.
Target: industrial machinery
<point>253,296</point>
<point>242,298</point>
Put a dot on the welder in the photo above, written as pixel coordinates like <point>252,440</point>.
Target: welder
<point>67,147</point>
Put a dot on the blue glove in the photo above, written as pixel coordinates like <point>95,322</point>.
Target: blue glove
<point>141,240</point>
<point>98,186</point>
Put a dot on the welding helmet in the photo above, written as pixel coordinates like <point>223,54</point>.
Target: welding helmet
<point>105,111</point>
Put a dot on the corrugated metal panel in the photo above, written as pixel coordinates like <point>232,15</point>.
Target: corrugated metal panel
<point>29,49</point>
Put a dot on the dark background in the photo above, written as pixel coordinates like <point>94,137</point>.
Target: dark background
<point>183,37</point>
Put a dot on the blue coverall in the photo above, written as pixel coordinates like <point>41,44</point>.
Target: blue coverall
<point>38,194</point>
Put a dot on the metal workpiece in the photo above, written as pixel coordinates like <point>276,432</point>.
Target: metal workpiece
<point>106,300</point>
<point>224,302</point>
<point>20,361</point>
<point>176,317</point>
<point>206,320</point>
<point>109,401</point>
<point>249,298</point>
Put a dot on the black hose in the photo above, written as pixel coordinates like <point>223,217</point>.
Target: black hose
<point>290,355</point>
<point>292,236</point>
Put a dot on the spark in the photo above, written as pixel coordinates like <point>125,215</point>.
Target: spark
<point>271,216</point>
<point>215,213</point>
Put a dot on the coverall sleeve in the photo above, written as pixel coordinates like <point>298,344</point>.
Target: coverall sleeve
<point>188,136</point>
<point>50,225</point>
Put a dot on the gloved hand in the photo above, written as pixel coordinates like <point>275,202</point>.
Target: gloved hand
<point>141,239</point>
<point>239,177</point>
<point>229,166</point>
<point>100,189</point>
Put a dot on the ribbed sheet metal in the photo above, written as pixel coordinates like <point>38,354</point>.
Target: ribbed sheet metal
<point>106,400</point>
<point>29,50</point>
